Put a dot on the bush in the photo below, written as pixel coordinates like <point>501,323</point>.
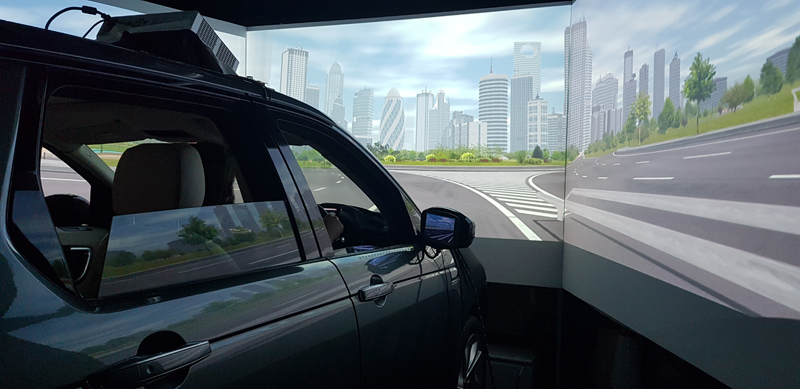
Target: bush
<point>533,161</point>
<point>389,159</point>
<point>442,160</point>
<point>484,160</point>
<point>467,157</point>
<point>547,160</point>
<point>429,157</point>
<point>495,159</point>
<point>537,153</point>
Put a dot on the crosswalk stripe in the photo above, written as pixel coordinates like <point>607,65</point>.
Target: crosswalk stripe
<point>520,198</point>
<point>537,207</point>
<point>532,195</point>
<point>534,213</point>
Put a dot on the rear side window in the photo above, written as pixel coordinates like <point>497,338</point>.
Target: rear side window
<point>161,198</point>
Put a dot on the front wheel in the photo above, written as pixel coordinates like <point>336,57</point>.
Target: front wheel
<point>474,366</point>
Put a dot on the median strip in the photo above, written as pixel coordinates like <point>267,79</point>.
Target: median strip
<point>707,155</point>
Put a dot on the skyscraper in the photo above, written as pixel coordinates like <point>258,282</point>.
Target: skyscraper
<point>337,113</point>
<point>477,134</point>
<point>628,96</point>
<point>438,122</point>
<point>424,105</point>
<point>521,93</point>
<point>579,81</point>
<point>528,61</point>
<point>363,105</point>
<point>605,92</point>
<point>393,121</point>
<point>556,132</point>
<point>294,73</point>
<point>312,96</point>
<point>537,123</point>
<point>658,82</point>
<point>712,102</point>
<point>644,79</point>
<point>780,59</point>
<point>675,81</point>
<point>334,87</point>
<point>460,128</point>
<point>493,108</point>
<point>627,68</point>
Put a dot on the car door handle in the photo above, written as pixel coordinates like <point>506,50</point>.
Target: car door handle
<point>140,369</point>
<point>373,292</point>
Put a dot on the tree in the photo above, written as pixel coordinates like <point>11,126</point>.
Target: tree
<point>700,83</point>
<point>653,124</point>
<point>520,155</point>
<point>546,154</point>
<point>690,109</point>
<point>378,150</point>
<point>123,258</point>
<point>630,126</point>
<point>749,89</point>
<point>197,232</point>
<point>641,112</point>
<point>793,63</point>
<point>771,78</point>
<point>676,118</point>
<point>734,96</point>
<point>276,220</point>
<point>537,152</point>
<point>666,117</point>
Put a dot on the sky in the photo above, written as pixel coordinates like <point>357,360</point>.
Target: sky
<point>452,52</point>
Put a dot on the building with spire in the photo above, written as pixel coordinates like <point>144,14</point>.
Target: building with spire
<point>658,82</point>
<point>393,119</point>
<point>493,108</point>
<point>294,73</point>
<point>628,84</point>
<point>363,107</point>
<point>338,113</point>
<point>579,83</point>
<point>334,87</point>
<point>424,106</point>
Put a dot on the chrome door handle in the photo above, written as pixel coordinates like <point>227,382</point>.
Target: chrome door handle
<point>373,292</point>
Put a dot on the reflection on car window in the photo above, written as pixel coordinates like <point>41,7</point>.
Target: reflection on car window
<point>327,182</point>
<point>157,249</point>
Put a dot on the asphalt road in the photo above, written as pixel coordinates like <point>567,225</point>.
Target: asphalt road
<point>719,217</point>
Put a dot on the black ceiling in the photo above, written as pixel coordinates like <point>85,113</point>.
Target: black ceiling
<point>251,13</point>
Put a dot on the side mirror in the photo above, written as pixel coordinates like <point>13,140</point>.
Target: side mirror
<point>445,228</point>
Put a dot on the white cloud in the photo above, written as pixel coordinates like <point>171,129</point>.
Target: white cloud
<point>720,13</point>
<point>718,37</point>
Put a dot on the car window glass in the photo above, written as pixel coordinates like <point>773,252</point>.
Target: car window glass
<point>327,182</point>
<point>60,179</point>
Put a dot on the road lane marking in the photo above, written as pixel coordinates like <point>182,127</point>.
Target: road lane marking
<point>518,198</point>
<point>781,218</point>
<point>653,178</point>
<point>511,193</point>
<point>552,199</point>
<point>784,176</point>
<point>319,189</point>
<point>63,179</point>
<point>534,213</point>
<point>603,164</point>
<point>602,178</point>
<point>274,256</point>
<point>616,164</point>
<point>339,182</point>
<point>583,176</point>
<point>773,279</point>
<point>547,207</point>
<point>642,162</point>
<point>203,267</point>
<point>707,155</point>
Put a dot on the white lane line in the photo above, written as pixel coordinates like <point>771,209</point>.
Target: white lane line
<point>784,176</point>
<point>602,178</point>
<point>603,164</point>
<point>63,179</point>
<point>524,229</point>
<point>642,162</point>
<point>616,164</point>
<point>542,214</point>
<point>653,178</point>
<point>512,193</point>
<point>274,256</point>
<point>781,218</point>
<point>546,207</point>
<point>319,189</point>
<point>203,267</point>
<point>552,199</point>
<point>583,176</point>
<point>339,182</point>
<point>519,198</point>
<point>707,155</point>
<point>773,279</point>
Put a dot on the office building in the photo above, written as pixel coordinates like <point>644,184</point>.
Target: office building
<point>477,134</point>
<point>439,121</point>
<point>521,93</point>
<point>627,67</point>
<point>334,87</point>
<point>658,82</point>
<point>537,123</point>
<point>337,113</point>
<point>579,81</point>
<point>675,81</point>
<point>644,79</point>
<point>312,96</point>
<point>294,73</point>
<point>493,108</point>
<point>605,92</point>
<point>459,127</point>
<point>780,59</point>
<point>712,102</point>
<point>392,128</point>
<point>628,96</point>
<point>528,62</point>
<point>556,132</point>
<point>424,105</point>
<point>363,106</point>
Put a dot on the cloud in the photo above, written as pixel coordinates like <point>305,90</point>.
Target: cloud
<point>721,13</point>
<point>718,37</point>
<point>775,4</point>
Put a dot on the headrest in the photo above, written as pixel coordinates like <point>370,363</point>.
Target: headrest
<point>154,177</point>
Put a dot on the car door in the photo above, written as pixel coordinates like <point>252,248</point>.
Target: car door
<point>399,290</point>
<point>242,307</point>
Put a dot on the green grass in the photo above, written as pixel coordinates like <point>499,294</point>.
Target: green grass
<point>798,94</point>
<point>111,162</point>
<point>486,164</point>
<point>113,147</point>
<point>312,164</point>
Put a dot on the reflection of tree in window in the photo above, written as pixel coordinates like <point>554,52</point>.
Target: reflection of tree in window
<point>197,232</point>
<point>274,220</point>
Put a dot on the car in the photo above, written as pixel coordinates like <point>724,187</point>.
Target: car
<point>199,252</point>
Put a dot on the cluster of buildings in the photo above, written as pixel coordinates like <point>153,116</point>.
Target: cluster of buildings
<point>511,115</point>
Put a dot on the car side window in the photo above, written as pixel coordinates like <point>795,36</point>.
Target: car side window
<point>175,208</point>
